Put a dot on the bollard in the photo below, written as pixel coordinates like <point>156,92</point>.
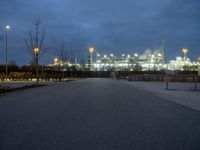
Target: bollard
<point>195,82</point>
<point>167,82</point>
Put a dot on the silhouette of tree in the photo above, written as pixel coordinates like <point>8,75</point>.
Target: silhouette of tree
<point>35,39</point>
<point>63,53</point>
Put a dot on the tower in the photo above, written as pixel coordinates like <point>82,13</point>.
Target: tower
<point>163,53</point>
<point>90,60</point>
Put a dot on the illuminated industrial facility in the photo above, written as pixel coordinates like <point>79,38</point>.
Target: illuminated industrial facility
<point>149,60</point>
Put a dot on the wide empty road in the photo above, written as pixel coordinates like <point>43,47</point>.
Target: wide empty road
<point>95,114</point>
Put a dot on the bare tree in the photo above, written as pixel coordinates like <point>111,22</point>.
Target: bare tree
<point>63,53</point>
<point>35,39</point>
<point>35,44</point>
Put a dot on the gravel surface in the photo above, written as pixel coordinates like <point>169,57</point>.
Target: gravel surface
<point>179,92</point>
<point>95,114</point>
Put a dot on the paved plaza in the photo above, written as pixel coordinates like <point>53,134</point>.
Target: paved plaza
<point>96,114</point>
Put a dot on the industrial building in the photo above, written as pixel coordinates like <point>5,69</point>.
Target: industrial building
<point>149,60</point>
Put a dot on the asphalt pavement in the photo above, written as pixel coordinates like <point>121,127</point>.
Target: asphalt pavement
<point>95,114</point>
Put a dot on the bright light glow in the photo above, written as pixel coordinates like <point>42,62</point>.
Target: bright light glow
<point>159,54</point>
<point>185,51</point>
<point>7,27</point>
<point>123,55</point>
<point>136,55</point>
<point>128,56</point>
<point>98,55</point>
<point>91,49</point>
<point>105,56</point>
<point>55,60</point>
<point>36,50</point>
<point>111,55</point>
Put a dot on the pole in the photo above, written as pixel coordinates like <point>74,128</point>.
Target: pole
<point>167,77</point>
<point>63,75</point>
<point>42,72</point>
<point>195,82</point>
<point>167,82</point>
<point>36,64</point>
<point>37,68</point>
<point>37,50</point>
<point>6,55</point>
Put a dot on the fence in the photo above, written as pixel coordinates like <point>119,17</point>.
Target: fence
<point>166,78</point>
<point>162,77</point>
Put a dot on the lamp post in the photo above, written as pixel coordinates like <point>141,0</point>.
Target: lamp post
<point>36,52</point>
<point>90,60</point>
<point>7,29</point>
<point>55,60</point>
<point>160,60</point>
<point>56,64</point>
<point>185,51</point>
<point>135,60</point>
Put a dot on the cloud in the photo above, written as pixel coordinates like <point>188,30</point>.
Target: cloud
<point>114,26</point>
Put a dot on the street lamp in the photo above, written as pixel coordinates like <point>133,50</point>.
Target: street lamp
<point>185,51</point>
<point>91,49</point>
<point>90,61</point>
<point>7,29</point>
<point>36,52</point>
<point>55,60</point>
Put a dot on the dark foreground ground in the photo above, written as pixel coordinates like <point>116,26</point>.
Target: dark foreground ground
<point>95,114</point>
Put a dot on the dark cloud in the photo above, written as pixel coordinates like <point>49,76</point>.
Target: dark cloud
<point>110,26</point>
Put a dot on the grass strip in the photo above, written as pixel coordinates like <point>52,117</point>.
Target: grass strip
<point>7,89</point>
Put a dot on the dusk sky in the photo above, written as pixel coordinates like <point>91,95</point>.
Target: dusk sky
<point>111,26</point>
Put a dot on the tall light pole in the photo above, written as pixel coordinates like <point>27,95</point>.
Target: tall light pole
<point>90,60</point>
<point>7,29</point>
<point>36,52</point>
<point>136,59</point>
<point>185,51</point>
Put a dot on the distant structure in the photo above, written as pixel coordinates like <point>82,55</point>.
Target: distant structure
<point>66,65</point>
<point>198,60</point>
<point>149,60</point>
<point>90,56</point>
<point>163,51</point>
